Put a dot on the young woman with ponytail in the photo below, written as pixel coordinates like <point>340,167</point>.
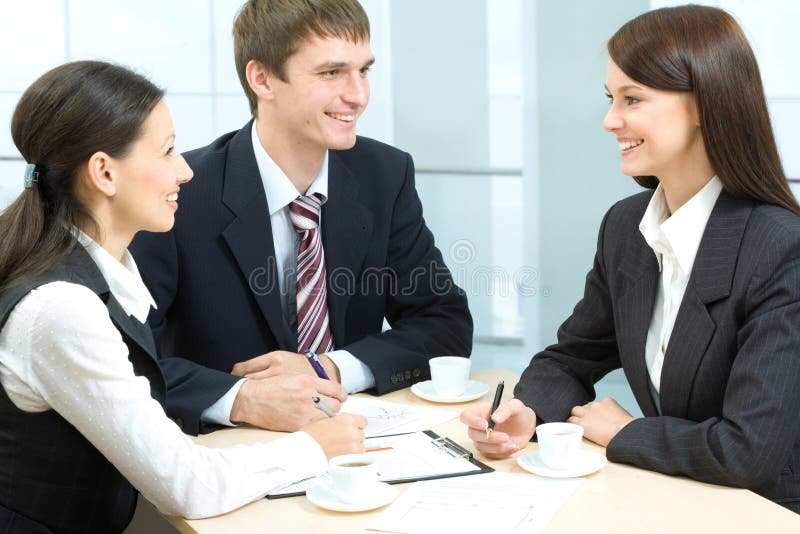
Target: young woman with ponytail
<point>82,421</point>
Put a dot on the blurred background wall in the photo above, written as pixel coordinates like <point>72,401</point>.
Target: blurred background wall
<point>499,101</point>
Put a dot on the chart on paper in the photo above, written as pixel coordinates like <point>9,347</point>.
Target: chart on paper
<point>392,418</point>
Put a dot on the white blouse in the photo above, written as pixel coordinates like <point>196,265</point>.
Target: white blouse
<point>674,239</point>
<point>59,350</point>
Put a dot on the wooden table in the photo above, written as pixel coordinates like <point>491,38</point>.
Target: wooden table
<point>619,498</point>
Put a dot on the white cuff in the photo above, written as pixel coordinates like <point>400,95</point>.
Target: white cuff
<point>355,375</point>
<point>220,411</point>
<point>300,455</point>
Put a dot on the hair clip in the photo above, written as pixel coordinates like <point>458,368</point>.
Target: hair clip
<point>31,176</point>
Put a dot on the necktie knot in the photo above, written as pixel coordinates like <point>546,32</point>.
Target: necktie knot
<point>304,212</point>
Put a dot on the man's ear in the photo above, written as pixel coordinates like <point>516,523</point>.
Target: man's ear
<point>260,80</point>
<point>101,174</point>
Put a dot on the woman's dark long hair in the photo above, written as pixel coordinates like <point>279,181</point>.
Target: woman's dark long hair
<point>702,50</point>
<point>64,117</point>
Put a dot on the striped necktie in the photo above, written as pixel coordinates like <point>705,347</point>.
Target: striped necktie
<point>313,328</point>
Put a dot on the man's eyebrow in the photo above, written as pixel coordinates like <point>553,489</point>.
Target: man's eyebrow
<point>331,65</point>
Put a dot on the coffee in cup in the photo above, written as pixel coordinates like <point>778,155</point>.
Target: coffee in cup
<point>559,444</point>
<point>353,477</point>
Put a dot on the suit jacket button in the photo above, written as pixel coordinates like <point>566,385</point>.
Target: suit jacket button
<point>408,375</point>
<point>393,379</point>
<point>416,372</point>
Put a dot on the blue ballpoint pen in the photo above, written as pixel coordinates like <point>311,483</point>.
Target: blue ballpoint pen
<point>315,363</point>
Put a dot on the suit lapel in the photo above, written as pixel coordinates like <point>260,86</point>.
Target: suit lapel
<point>710,280</point>
<point>346,231</point>
<point>635,309</point>
<point>249,235</point>
<point>688,342</point>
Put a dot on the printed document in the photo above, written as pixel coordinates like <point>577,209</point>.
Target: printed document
<point>494,502</point>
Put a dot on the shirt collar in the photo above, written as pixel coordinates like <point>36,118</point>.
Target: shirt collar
<point>682,231</point>
<point>685,228</point>
<point>279,189</point>
<point>650,225</point>
<point>123,278</point>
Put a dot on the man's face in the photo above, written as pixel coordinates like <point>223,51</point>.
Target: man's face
<point>325,93</point>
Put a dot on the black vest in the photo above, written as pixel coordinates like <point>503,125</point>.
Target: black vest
<point>51,477</point>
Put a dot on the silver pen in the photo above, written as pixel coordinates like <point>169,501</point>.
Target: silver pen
<point>324,407</point>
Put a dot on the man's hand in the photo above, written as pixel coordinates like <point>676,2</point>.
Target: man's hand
<point>601,420</point>
<point>279,362</point>
<point>343,434</point>
<point>513,428</point>
<point>284,402</point>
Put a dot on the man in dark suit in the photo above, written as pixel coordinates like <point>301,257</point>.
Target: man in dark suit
<point>296,235</point>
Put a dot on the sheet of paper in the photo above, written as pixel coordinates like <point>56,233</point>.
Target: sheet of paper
<point>412,456</point>
<point>494,502</point>
<point>402,457</point>
<point>385,417</point>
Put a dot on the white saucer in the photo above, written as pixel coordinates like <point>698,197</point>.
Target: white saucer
<point>323,496</point>
<point>586,463</point>
<point>425,391</point>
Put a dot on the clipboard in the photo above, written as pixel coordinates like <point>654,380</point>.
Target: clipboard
<point>408,457</point>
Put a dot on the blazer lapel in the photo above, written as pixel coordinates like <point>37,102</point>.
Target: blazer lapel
<point>249,235</point>
<point>710,280</point>
<point>635,309</point>
<point>346,231</point>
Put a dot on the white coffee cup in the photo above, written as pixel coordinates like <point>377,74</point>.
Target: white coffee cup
<point>449,375</point>
<point>559,444</point>
<point>353,476</point>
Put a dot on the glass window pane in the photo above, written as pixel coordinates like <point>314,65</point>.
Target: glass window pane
<point>480,237</point>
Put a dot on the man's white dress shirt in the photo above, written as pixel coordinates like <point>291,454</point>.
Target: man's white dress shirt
<point>674,239</point>
<point>280,193</point>
<point>59,350</point>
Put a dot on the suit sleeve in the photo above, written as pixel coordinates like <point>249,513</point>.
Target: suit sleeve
<point>191,387</point>
<point>428,313</point>
<point>563,375</point>
<point>749,444</point>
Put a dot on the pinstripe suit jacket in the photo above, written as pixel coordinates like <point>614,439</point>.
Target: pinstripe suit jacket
<point>730,385</point>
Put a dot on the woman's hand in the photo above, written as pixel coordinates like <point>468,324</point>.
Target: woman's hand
<point>601,420</point>
<point>343,434</point>
<point>513,427</point>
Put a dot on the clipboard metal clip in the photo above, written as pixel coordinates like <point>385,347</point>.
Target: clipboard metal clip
<point>452,448</point>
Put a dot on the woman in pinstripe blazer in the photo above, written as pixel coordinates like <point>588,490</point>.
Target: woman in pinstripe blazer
<point>695,288</point>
